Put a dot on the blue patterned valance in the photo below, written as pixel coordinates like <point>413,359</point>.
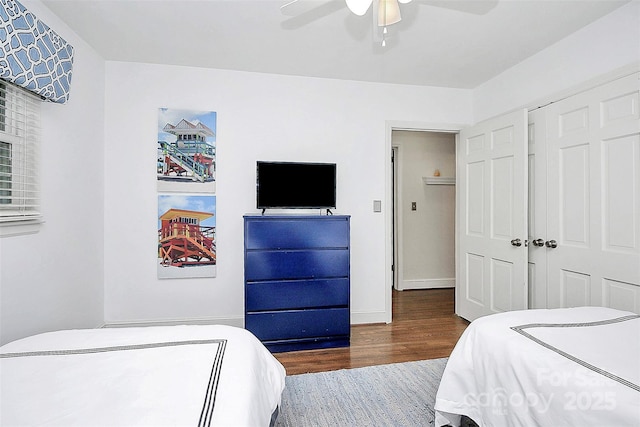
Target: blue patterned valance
<point>32,55</point>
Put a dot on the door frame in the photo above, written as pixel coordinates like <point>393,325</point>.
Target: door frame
<point>390,126</point>
<point>396,202</point>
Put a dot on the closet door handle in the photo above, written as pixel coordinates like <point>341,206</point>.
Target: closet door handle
<point>516,242</point>
<point>551,244</point>
<point>538,242</point>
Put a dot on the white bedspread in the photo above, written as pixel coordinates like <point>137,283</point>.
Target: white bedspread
<point>562,367</point>
<point>173,375</point>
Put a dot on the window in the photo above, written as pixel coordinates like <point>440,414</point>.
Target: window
<point>5,173</point>
<point>19,149</point>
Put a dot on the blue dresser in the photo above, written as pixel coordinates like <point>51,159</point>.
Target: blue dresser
<point>296,271</point>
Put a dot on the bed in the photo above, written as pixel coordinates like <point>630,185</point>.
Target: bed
<point>201,375</point>
<point>558,367</point>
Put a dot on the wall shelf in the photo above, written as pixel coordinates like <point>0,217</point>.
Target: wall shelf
<point>439,180</point>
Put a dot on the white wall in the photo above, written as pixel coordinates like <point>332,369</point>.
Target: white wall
<point>259,117</point>
<point>607,44</point>
<point>428,235</point>
<point>53,279</point>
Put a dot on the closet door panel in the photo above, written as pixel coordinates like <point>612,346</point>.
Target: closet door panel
<point>492,217</point>
<point>573,199</point>
<point>621,165</point>
<point>593,203</point>
<point>623,296</point>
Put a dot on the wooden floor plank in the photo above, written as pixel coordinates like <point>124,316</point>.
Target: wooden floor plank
<point>424,327</point>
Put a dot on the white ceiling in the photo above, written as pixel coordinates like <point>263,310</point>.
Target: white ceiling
<point>452,43</point>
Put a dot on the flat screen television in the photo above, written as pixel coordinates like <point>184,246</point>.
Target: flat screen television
<point>295,185</point>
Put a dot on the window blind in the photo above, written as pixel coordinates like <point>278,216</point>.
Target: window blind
<point>19,154</point>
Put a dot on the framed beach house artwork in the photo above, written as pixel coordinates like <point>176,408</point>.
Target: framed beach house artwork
<point>186,153</point>
<point>186,235</point>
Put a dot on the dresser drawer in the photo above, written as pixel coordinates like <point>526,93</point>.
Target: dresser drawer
<point>302,264</point>
<point>292,233</point>
<point>290,324</point>
<point>296,294</point>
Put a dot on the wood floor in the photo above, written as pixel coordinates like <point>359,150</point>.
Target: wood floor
<point>424,327</point>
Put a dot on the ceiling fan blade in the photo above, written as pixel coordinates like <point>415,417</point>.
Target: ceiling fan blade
<point>304,12</point>
<point>299,7</point>
<point>359,7</point>
<point>285,8</point>
<point>476,7</point>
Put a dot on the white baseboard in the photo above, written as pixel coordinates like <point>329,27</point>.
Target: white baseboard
<point>357,318</point>
<point>231,321</point>
<point>360,318</point>
<point>427,284</point>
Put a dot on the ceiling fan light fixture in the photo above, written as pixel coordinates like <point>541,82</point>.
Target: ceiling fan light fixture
<point>388,12</point>
<point>359,7</point>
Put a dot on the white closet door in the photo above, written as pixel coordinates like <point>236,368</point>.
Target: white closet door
<point>593,145</point>
<point>537,219</point>
<point>492,216</point>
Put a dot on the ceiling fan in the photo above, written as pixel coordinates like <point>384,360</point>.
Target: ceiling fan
<point>388,11</point>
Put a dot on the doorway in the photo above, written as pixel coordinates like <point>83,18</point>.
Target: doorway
<point>423,208</point>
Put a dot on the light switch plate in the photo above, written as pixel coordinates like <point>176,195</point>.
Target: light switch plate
<point>377,205</point>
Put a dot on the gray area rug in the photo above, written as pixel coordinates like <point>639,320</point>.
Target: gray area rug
<point>398,394</point>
